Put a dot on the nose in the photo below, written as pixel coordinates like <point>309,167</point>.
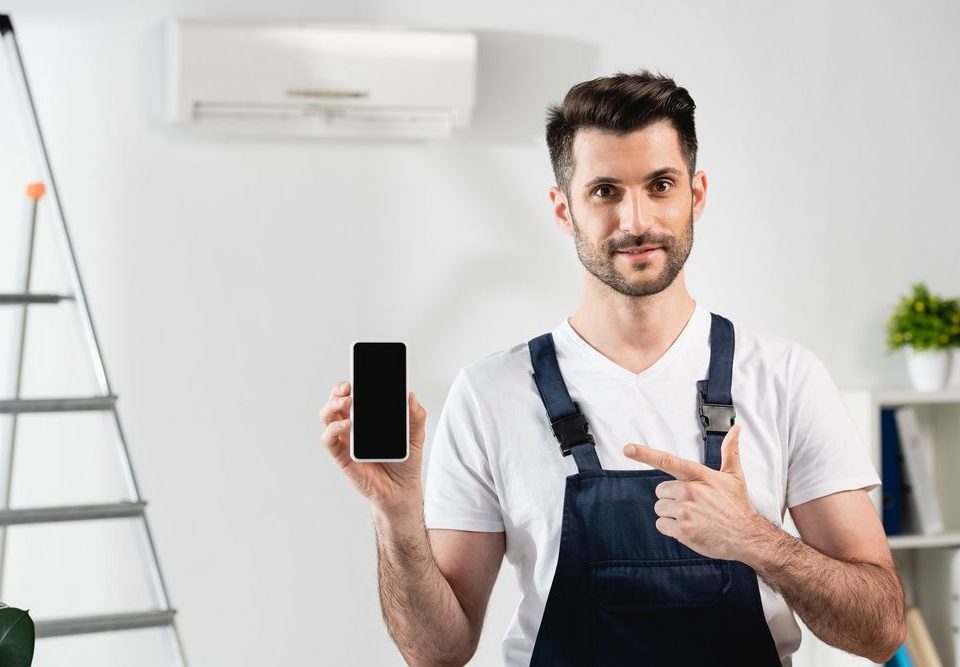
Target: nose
<point>634,219</point>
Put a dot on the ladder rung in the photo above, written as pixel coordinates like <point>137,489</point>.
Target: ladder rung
<point>18,405</point>
<point>71,513</point>
<point>12,299</point>
<point>81,625</point>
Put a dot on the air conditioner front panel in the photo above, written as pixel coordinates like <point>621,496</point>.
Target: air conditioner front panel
<point>304,69</point>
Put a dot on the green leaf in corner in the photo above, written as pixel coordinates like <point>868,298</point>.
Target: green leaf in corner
<point>16,637</point>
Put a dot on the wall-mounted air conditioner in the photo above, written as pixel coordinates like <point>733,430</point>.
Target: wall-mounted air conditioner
<point>320,79</point>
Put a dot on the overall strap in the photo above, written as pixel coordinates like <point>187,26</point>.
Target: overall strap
<point>714,402</point>
<point>569,424</point>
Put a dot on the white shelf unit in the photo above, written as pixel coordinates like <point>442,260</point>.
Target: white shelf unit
<point>940,411</point>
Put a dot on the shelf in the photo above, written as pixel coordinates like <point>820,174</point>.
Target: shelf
<point>922,560</point>
<point>908,396</point>
<point>946,539</point>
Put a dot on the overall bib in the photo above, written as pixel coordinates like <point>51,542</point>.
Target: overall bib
<point>623,592</point>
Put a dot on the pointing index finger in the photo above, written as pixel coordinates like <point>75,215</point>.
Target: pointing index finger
<point>681,468</point>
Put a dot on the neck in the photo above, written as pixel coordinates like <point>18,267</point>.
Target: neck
<point>632,331</point>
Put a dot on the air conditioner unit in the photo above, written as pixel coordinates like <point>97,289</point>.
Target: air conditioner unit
<point>320,79</point>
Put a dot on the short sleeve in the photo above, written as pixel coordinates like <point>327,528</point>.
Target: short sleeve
<point>459,491</point>
<point>826,450</point>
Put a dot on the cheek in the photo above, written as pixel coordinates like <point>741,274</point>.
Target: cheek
<point>605,218</point>
<point>675,211</point>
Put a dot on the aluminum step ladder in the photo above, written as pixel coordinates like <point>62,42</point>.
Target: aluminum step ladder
<point>163,615</point>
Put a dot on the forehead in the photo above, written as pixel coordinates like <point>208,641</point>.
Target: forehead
<point>595,151</point>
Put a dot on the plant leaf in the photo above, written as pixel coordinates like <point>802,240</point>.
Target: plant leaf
<point>17,637</point>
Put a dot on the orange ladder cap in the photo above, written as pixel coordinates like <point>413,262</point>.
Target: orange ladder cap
<point>35,191</point>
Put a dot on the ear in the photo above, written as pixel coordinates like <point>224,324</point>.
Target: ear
<point>698,187</point>
<point>561,210</point>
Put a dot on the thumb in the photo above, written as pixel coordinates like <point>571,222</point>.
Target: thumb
<point>730,452</point>
<point>418,418</point>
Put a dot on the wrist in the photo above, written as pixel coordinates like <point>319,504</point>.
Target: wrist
<point>400,517</point>
<point>764,545</point>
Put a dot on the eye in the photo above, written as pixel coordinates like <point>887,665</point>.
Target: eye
<point>663,181</point>
<point>602,186</point>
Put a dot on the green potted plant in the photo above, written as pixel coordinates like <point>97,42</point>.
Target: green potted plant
<point>16,637</point>
<point>926,326</point>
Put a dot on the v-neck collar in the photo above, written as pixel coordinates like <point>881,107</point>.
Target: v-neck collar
<point>697,327</point>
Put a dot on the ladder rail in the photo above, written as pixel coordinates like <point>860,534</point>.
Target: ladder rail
<point>8,39</point>
<point>18,382</point>
<point>159,585</point>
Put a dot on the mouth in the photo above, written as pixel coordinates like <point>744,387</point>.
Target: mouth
<point>642,253</point>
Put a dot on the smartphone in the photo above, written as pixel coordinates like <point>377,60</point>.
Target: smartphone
<point>379,417</point>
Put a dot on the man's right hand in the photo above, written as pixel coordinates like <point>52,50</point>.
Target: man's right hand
<point>389,486</point>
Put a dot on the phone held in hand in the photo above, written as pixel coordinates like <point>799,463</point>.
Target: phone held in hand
<point>379,416</point>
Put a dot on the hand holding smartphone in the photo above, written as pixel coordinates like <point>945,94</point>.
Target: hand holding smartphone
<point>375,429</point>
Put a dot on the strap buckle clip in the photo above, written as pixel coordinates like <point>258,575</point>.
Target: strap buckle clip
<point>714,417</point>
<point>571,430</point>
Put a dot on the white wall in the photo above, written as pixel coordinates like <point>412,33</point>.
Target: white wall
<point>228,276</point>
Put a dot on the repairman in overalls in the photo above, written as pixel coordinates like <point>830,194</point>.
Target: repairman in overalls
<point>635,463</point>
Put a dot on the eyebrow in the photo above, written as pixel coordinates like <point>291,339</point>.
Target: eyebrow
<point>662,171</point>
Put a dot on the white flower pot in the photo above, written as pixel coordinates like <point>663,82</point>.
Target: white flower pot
<point>955,373</point>
<point>929,370</point>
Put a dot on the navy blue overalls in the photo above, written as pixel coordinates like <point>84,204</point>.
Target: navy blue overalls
<point>623,592</point>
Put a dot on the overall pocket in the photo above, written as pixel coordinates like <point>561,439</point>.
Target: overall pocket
<point>637,585</point>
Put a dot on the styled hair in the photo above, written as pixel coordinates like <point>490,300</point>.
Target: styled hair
<point>620,104</point>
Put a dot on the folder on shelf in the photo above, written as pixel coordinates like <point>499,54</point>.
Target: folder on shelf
<point>916,443</point>
<point>891,472</point>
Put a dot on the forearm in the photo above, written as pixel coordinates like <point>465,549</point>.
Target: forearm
<point>853,605</point>
<point>422,613</point>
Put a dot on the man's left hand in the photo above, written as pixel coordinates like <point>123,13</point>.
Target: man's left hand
<point>707,510</point>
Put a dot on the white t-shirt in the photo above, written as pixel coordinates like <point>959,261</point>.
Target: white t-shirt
<point>495,464</point>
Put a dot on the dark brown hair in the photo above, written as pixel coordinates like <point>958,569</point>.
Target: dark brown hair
<point>620,104</point>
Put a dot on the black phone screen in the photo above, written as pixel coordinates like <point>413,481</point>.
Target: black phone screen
<point>379,406</point>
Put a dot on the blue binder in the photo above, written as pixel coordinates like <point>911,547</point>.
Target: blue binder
<point>891,473</point>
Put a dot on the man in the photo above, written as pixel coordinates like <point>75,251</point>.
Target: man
<point>650,534</point>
